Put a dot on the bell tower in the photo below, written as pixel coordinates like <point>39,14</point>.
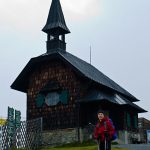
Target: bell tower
<point>55,28</point>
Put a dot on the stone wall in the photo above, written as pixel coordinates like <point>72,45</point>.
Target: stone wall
<point>70,135</point>
<point>86,134</point>
<point>59,137</point>
<point>128,137</point>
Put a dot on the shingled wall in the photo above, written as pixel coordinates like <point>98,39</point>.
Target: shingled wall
<point>59,116</point>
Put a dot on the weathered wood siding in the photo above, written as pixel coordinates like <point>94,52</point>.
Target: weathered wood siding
<point>59,116</point>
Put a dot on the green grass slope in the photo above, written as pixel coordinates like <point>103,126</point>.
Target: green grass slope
<point>79,148</point>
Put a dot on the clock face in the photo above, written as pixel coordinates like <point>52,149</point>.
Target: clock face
<point>52,99</point>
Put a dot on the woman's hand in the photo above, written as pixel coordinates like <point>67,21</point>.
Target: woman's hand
<point>99,136</point>
<point>106,133</point>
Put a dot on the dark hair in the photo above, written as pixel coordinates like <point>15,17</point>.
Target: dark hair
<point>101,111</point>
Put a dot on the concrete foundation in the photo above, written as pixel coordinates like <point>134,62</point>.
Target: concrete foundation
<point>65,136</point>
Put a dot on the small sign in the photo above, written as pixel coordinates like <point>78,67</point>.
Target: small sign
<point>10,123</point>
<point>17,118</point>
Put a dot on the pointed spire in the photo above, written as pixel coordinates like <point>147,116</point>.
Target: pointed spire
<point>56,22</point>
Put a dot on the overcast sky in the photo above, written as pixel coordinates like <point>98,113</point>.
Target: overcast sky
<point>117,30</point>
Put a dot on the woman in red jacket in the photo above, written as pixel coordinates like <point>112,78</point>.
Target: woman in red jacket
<point>104,131</point>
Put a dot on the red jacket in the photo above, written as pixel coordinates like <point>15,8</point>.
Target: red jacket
<point>101,127</point>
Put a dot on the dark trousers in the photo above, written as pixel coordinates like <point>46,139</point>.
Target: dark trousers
<point>102,145</point>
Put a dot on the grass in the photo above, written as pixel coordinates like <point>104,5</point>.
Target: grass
<point>80,148</point>
<point>90,145</point>
<point>94,147</point>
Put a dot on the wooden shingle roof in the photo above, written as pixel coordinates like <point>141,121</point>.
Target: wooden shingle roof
<point>56,20</point>
<point>83,68</point>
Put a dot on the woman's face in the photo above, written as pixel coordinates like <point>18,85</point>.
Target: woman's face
<point>100,116</point>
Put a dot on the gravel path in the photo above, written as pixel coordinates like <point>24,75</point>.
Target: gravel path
<point>134,146</point>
